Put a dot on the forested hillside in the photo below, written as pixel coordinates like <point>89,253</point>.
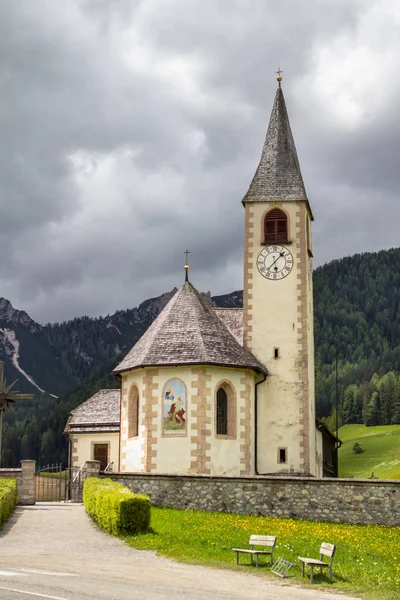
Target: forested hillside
<point>357,332</point>
<point>357,323</point>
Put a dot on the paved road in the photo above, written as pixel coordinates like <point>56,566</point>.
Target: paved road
<point>54,552</point>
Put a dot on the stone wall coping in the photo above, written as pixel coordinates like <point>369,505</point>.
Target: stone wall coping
<point>255,478</point>
<point>10,471</point>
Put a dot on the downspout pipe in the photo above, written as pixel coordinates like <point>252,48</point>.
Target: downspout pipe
<point>256,424</point>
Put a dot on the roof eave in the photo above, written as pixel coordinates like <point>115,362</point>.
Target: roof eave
<point>259,369</point>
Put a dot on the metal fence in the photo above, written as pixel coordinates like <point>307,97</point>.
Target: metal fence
<point>55,484</point>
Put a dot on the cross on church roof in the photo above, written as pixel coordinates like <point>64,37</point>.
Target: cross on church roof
<point>7,397</point>
<point>279,78</point>
<point>186,253</point>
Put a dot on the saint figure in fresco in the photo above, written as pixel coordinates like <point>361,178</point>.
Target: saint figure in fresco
<point>177,411</point>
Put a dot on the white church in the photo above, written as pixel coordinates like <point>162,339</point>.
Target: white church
<point>226,391</point>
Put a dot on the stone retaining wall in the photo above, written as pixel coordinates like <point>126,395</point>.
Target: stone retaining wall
<point>337,500</point>
<point>25,477</point>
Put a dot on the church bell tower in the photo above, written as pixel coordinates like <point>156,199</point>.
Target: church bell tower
<point>278,302</point>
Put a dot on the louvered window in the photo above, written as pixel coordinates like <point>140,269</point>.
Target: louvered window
<point>275,226</point>
<point>222,412</point>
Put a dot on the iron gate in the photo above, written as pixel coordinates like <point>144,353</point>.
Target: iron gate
<point>50,483</point>
<point>75,481</point>
<point>53,484</point>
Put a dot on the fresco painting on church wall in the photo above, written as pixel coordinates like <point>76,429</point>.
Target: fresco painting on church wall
<point>174,408</point>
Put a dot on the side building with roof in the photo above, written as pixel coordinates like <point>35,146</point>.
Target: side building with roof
<point>93,430</point>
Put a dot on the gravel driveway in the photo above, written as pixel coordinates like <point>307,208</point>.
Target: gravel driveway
<point>54,551</point>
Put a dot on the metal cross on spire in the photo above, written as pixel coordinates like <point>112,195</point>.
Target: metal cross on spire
<point>7,397</point>
<point>279,78</point>
<point>186,253</point>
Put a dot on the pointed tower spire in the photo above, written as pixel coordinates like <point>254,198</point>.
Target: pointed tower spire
<point>278,176</point>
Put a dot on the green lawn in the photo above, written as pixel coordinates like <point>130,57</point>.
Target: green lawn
<point>367,561</point>
<point>381,456</point>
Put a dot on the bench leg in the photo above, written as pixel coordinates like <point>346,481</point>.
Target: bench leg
<point>302,569</point>
<point>237,558</point>
<point>252,559</point>
<point>257,561</point>
<point>331,574</point>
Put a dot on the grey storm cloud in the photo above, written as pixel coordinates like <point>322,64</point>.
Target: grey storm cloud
<point>130,131</point>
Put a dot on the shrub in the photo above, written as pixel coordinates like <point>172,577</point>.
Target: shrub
<point>357,448</point>
<point>8,498</point>
<point>115,508</point>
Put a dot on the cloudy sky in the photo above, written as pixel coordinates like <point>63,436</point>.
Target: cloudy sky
<point>131,129</point>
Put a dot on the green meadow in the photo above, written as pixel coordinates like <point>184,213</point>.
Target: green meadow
<point>367,561</point>
<point>381,456</point>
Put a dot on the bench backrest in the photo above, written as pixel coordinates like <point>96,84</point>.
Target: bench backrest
<point>327,550</point>
<point>262,540</point>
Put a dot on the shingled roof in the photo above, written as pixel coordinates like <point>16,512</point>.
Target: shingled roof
<point>232,318</point>
<point>278,176</point>
<point>187,332</point>
<point>101,413</point>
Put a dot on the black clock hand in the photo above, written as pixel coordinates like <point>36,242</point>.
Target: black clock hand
<point>277,258</point>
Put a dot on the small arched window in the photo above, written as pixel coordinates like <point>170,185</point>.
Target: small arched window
<point>133,412</point>
<point>222,412</point>
<point>275,226</point>
<point>225,411</point>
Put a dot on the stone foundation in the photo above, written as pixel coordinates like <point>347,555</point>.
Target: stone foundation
<point>336,500</point>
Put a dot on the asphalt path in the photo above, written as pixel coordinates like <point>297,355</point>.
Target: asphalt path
<point>53,551</point>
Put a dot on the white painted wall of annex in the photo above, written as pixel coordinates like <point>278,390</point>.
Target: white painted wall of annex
<point>83,447</point>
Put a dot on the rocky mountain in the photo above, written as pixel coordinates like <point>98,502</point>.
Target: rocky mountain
<point>55,359</point>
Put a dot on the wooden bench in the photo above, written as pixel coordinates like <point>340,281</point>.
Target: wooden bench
<point>265,541</point>
<point>326,550</point>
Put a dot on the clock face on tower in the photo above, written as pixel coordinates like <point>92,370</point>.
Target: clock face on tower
<point>275,262</point>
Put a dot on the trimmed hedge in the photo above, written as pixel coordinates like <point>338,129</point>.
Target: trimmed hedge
<point>8,498</point>
<point>115,508</point>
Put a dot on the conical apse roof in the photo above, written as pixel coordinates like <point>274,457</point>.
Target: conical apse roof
<point>186,332</point>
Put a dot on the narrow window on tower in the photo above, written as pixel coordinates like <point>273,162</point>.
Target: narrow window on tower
<point>282,455</point>
<point>309,241</point>
<point>275,226</point>
<point>276,352</point>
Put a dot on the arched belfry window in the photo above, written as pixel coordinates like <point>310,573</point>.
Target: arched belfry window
<point>275,226</point>
<point>225,411</point>
<point>133,412</point>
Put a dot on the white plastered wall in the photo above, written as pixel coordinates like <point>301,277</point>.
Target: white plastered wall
<point>174,453</point>
<point>83,447</point>
<point>132,449</point>
<point>275,324</point>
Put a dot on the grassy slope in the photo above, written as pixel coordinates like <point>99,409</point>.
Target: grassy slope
<point>381,454</point>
